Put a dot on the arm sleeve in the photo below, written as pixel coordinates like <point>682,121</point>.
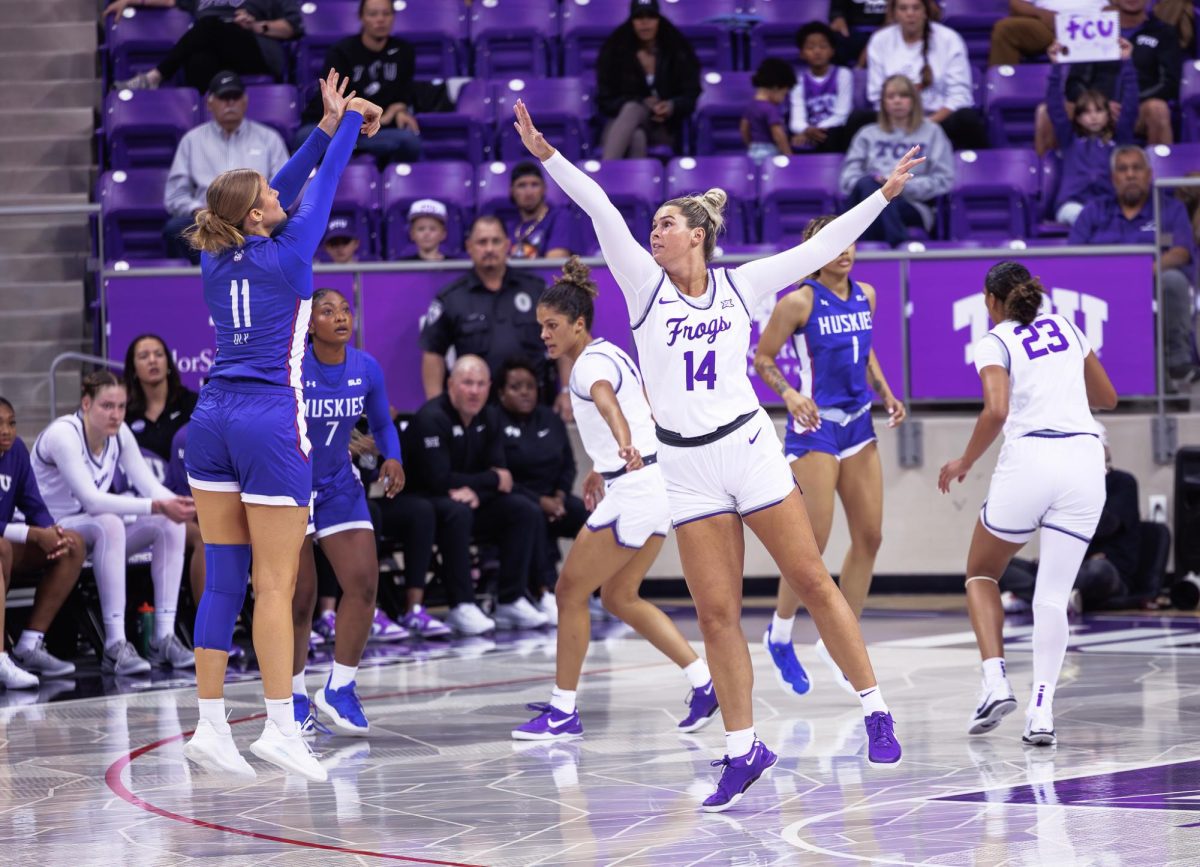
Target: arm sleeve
<point>632,267</point>
<point>843,102</point>
<point>1056,107</point>
<point>957,75</point>
<point>765,277</point>
<point>140,476</point>
<point>289,180</point>
<point>16,533</point>
<point>433,439</point>
<point>302,234</point>
<point>798,113</point>
<point>989,351</point>
<point>179,195</point>
<point>379,417</point>
<point>1127,87</point>
<point>60,444</point>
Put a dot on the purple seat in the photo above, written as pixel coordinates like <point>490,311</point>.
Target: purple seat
<point>357,197</point>
<point>1189,100</point>
<point>325,22</point>
<point>774,33</point>
<point>277,106</point>
<point>451,183</point>
<point>564,110</point>
<point>634,186</point>
<point>511,37</point>
<point>132,209</point>
<point>736,175</point>
<point>794,190</point>
<point>994,193</point>
<point>438,33</point>
<point>860,91</point>
<point>719,113</point>
<point>708,25</point>
<point>585,26</point>
<point>1013,93</point>
<point>1174,161</point>
<point>973,20</point>
<point>139,38</point>
<point>143,127</point>
<point>1049,175</point>
<point>465,133</point>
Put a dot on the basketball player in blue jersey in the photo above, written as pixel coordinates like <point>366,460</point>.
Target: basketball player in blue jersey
<point>248,449</point>
<point>1040,377</point>
<point>830,439</point>
<point>340,384</point>
<point>718,451</point>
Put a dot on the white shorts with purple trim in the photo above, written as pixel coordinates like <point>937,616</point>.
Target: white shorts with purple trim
<point>634,508</point>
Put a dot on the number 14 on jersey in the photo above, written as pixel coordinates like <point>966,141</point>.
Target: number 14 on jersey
<point>706,372</point>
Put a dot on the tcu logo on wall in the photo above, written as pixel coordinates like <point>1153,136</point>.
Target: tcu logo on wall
<point>1086,310</point>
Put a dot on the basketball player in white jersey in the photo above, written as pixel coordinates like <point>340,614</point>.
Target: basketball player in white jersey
<point>1039,376</point>
<point>719,453</point>
<point>75,460</point>
<point>630,515</point>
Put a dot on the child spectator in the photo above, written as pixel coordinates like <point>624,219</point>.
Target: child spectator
<point>427,229</point>
<point>823,97</point>
<point>762,124</point>
<point>341,243</point>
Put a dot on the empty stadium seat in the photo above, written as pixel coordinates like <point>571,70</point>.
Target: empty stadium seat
<point>1189,101</point>
<point>1174,161</point>
<point>794,190</point>
<point>973,21</point>
<point>564,111</point>
<point>143,127</point>
<point>276,105</point>
<point>1013,93</point>
<point>585,26</point>
<point>325,22</point>
<point>776,22</point>
<point>358,197</point>
<point>736,175</point>
<point>513,37</point>
<point>634,186</point>
<point>133,213</point>
<point>438,33</point>
<point>451,183</point>
<point>994,193</point>
<point>465,133</point>
<point>719,112</point>
<point>707,24</point>
<point>138,38</point>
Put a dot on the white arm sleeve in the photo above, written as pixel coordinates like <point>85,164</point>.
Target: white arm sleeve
<point>631,265</point>
<point>799,112</point>
<point>61,443</point>
<point>137,470</point>
<point>765,277</point>
<point>16,533</point>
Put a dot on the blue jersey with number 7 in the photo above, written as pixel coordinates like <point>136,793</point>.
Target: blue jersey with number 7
<point>259,294</point>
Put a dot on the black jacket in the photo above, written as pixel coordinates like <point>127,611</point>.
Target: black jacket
<point>859,13</point>
<point>537,451</point>
<point>157,435</point>
<point>384,77</point>
<point>620,78</point>
<point>1118,536</point>
<point>1157,58</point>
<point>442,453</point>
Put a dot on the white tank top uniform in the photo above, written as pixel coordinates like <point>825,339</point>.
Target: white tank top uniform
<point>719,451</point>
<point>1051,467</point>
<point>635,503</point>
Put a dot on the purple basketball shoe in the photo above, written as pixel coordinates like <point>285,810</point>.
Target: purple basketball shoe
<point>738,775</point>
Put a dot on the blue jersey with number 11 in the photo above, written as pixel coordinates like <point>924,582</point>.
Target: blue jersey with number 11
<point>832,349</point>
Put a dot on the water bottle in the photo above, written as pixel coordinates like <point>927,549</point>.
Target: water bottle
<point>145,626</point>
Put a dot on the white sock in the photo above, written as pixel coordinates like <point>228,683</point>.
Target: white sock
<point>563,700</point>
<point>213,710</point>
<point>298,684</point>
<point>114,631</point>
<point>29,640</point>
<point>872,701</point>
<point>994,670</point>
<point>739,743</point>
<point>3,655</point>
<point>697,674</point>
<point>281,712</point>
<point>164,624</point>
<point>341,675</point>
<point>781,629</point>
<point>1041,697</point>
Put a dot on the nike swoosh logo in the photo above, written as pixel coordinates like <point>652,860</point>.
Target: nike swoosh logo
<point>667,300</point>
<point>867,693</point>
<point>543,433</point>
<point>756,433</point>
<point>560,723</point>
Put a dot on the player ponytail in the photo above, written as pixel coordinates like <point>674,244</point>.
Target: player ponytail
<point>230,199</point>
<point>572,293</point>
<point>1019,291</point>
<point>705,212</point>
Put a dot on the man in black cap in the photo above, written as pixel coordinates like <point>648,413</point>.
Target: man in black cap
<point>228,141</point>
<point>341,242</point>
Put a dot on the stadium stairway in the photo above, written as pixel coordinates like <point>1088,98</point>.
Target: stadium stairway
<point>48,106</point>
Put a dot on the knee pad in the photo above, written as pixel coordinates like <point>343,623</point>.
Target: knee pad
<point>227,575</point>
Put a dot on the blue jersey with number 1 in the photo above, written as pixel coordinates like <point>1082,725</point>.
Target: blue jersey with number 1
<point>832,349</point>
<point>335,397</point>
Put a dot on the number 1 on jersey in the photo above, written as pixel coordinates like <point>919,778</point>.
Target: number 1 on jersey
<point>706,372</point>
<point>233,303</point>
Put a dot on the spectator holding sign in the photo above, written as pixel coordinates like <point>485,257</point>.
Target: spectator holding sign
<point>1029,29</point>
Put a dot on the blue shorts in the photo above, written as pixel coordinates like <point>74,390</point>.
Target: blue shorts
<point>340,506</point>
<point>840,440</point>
<point>250,442</point>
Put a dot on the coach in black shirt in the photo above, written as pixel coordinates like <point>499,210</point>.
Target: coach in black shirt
<point>455,457</point>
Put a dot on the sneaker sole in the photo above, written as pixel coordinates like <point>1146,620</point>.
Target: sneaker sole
<point>997,712</point>
<point>721,808</point>
<point>518,735</point>
<point>206,760</point>
<point>128,672</point>
<point>876,764</point>
<point>698,724</point>
<point>311,770</point>
<point>1040,739</point>
<point>66,671</point>
<point>340,723</point>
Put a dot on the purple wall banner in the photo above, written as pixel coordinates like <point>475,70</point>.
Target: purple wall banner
<point>1109,298</point>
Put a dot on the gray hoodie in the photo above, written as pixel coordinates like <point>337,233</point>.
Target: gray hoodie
<point>875,152</point>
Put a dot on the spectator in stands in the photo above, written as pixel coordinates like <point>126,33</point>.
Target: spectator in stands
<point>934,58</point>
<point>1190,196</point>
<point>1029,29</point>
<point>537,451</point>
<point>762,125</point>
<point>1128,218</point>
<point>37,545</point>
<point>824,95</point>
<point>1158,60</point>
<point>341,243</point>
<point>491,311</point>
<point>455,449</point>
<point>543,231</point>
<point>244,36</point>
<point>380,67</point>
<point>853,21</point>
<point>1088,134</point>
<point>648,78</point>
<point>427,230</point>
<point>228,141</point>
<point>874,151</point>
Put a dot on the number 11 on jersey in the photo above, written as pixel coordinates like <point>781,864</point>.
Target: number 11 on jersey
<point>706,372</point>
<point>233,303</point>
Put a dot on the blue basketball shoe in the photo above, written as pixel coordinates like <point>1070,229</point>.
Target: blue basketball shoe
<point>790,674</point>
<point>344,709</point>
